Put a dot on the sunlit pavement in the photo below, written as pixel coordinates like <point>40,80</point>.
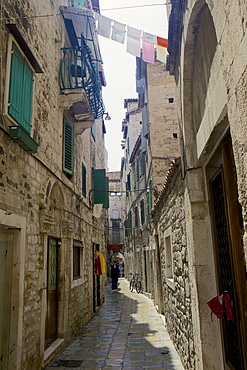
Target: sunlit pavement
<point>126,333</point>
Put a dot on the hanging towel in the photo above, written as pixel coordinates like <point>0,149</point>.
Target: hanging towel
<point>102,263</point>
<point>133,41</point>
<point>118,32</point>
<point>104,25</point>
<point>148,42</point>
<point>161,49</point>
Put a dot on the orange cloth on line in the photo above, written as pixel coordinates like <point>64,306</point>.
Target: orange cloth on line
<point>162,42</point>
<point>102,263</point>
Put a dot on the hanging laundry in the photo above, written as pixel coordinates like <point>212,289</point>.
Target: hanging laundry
<point>148,42</point>
<point>161,49</point>
<point>99,263</point>
<point>133,41</point>
<point>104,25</point>
<point>118,32</point>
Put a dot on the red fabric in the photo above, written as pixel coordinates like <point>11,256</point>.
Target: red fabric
<point>228,306</point>
<point>97,265</point>
<point>162,42</point>
<point>222,304</point>
<point>216,306</point>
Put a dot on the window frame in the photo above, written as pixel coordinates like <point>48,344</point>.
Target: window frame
<point>77,280</point>
<point>84,180</point>
<point>169,270</point>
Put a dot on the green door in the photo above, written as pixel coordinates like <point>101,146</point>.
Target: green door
<point>51,313</point>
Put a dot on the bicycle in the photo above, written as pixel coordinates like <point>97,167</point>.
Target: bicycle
<point>135,283</point>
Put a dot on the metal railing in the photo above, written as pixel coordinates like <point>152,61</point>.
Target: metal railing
<point>78,70</point>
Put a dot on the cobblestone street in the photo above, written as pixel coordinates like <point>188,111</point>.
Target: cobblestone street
<point>126,333</point>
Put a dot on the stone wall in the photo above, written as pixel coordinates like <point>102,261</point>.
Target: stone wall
<point>169,221</point>
<point>33,188</point>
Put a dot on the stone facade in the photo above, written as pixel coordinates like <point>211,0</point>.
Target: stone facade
<point>45,211</point>
<point>171,264</point>
<point>156,145</point>
<point>206,42</point>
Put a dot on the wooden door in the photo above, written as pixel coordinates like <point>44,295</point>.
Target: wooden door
<point>229,255</point>
<point>52,292</point>
<point>6,248</point>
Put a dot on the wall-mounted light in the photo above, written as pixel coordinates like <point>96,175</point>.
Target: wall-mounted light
<point>107,116</point>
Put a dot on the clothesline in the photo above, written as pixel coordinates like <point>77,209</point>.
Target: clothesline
<point>137,40</point>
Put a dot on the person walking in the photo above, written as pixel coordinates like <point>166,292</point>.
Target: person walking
<point>114,276</point>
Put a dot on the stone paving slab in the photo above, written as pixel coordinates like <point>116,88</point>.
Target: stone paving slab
<point>127,333</point>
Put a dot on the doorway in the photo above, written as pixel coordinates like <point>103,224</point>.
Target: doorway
<point>52,292</point>
<point>227,229</point>
<point>6,250</point>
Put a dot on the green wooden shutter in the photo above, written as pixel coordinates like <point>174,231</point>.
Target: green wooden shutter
<point>137,170</point>
<point>27,97</point>
<point>142,206</point>
<point>20,89</point>
<point>106,204</point>
<point>68,147</point>
<point>101,187</point>
<point>15,87</point>
<point>142,163</point>
<point>84,180</point>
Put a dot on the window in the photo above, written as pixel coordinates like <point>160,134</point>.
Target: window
<point>84,180</point>
<point>101,187</point>
<point>137,170</point>
<point>128,224</point>
<point>171,100</point>
<point>142,163</point>
<point>136,217</point>
<point>169,258</point>
<point>142,206</point>
<point>115,224</point>
<point>77,262</point>
<point>149,200</point>
<point>68,148</point>
<point>20,89</point>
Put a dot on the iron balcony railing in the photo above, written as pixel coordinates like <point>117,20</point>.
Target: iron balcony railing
<point>78,69</point>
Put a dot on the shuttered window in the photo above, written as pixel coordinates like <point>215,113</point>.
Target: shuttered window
<point>142,206</point>
<point>84,180</point>
<point>20,89</point>
<point>68,148</point>
<point>101,187</point>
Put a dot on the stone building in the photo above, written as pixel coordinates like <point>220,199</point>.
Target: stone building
<point>52,169</point>
<point>115,222</point>
<point>199,220</point>
<point>155,145</point>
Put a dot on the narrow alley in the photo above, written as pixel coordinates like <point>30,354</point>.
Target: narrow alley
<point>126,333</point>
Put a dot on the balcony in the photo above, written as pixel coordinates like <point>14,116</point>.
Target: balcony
<point>79,74</point>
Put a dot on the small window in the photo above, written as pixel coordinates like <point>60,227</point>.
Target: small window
<point>68,149</point>
<point>171,100</point>
<point>175,135</point>
<point>169,262</point>
<point>84,180</point>
<point>136,217</point>
<point>142,206</point>
<point>115,224</point>
<point>76,262</point>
